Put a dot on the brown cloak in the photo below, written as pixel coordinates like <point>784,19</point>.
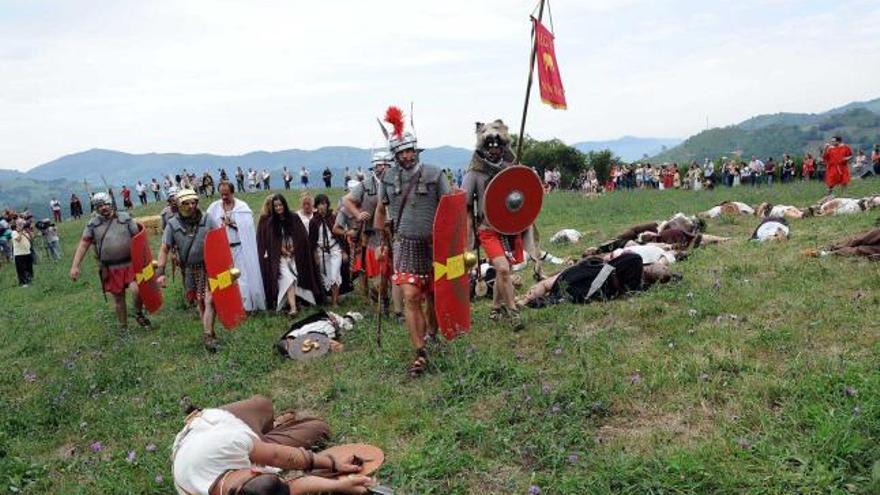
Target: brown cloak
<point>269,232</point>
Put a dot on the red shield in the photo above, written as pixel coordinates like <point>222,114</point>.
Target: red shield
<point>222,277</point>
<point>452,302</point>
<point>513,200</point>
<point>144,273</point>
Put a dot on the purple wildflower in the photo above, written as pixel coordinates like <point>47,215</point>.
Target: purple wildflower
<point>534,490</point>
<point>96,447</point>
<point>744,444</point>
<point>131,457</point>
<point>556,351</point>
<point>704,377</point>
<point>545,388</point>
<point>555,409</point>
<point>573,458</point>
<point>850,392</point>
<point>151,447</point>
<point>635,378</point>
<point>30,376</point>
<point>159,479</point>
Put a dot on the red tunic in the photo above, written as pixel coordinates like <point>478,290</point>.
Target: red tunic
<point>837,165</point>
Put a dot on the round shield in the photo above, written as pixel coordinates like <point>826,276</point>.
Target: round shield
<point>513,200</point>
<point>308,346</point>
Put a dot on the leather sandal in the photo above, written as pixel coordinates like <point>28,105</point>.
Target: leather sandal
<point>419,365</point>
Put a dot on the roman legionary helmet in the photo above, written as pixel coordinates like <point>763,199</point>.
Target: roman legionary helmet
<point>100,199</point>
<point>186,194</point>
<point>399,140</point>
<point>382,157</point>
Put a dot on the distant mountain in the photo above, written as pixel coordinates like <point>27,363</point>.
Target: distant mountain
<point>18,191</point>
<point>773,135</point>
<point>806,119</point>
<point>630,148</point>
<point>124,168</point>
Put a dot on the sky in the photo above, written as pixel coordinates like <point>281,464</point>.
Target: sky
<point>230,77</point>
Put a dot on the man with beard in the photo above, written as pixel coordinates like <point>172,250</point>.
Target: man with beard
<point>493,154</point>
<point>186,231</point>
<point>238,218</point>
<point>409,195</point>
<point>111,232</point>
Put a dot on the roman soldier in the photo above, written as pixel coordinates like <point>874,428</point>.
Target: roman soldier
<point>186,232</point>
<point>409,194</point>
<point>493,154</point>
<point>359,207</point>
<point>111,232</point>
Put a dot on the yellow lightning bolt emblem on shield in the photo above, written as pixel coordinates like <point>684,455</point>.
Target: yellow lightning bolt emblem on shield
<point>452,269</point>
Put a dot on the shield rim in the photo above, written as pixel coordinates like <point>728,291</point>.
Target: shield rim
<point>540,200</point>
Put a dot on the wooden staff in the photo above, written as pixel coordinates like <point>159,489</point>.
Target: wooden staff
<point>522,125</point>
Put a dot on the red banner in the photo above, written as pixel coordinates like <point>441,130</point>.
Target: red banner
<point>549,79</point>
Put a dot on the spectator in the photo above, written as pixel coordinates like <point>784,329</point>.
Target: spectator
<point>770,170</point>
<point>5,240</point>
<point>253,185</point>
<point>745,174</point>
<point>50,234</point>
<point>224,177</point>
<point>266,179</point>
<point>304,177</point>
<point>788,171</point>
<point>287,178</point>
<point>459,176</point>
<point>757,171</point>
<point>861,167</point>
<point>239,179</point>
<point>307,209</point>
<point>155,188</point>
<point>875,159</point>
<point>327,176</point>
<point>346,176</point>
<point>709,173</point>
<point>126,198</point>
<point>55,206</point>
<point>141,192</point>
<point>808,168</point>
<point>359,176</point>
<point>21,249</point>
<point>207,185</point>
<point>76,207</point>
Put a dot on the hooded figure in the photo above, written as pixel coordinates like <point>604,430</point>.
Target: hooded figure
<point>286,261</point>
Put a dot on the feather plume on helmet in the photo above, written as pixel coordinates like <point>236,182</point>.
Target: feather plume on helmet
<point>492,147</point>
<point>399,140</point>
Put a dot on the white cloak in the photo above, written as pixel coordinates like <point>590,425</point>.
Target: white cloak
<point>244,256</point>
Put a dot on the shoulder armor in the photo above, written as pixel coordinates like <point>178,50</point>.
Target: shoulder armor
<point>123,217</point>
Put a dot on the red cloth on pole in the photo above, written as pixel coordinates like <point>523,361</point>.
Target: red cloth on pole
<point>552,92</point>
<point>836,160</point>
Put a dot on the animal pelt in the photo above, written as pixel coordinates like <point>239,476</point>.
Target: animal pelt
<point>484,133</point>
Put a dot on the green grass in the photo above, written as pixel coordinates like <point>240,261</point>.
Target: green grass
<point>637,396</point>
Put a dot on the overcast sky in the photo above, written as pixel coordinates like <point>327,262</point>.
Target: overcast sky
<point>230,77</point>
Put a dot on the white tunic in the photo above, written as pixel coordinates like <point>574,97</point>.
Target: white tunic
<point>769,230</point>
<point>213,442</point>
<point>243,242</point>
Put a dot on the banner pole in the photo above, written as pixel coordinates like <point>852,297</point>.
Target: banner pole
<point>522,125</point>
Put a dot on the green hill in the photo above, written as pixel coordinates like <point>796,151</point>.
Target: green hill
<point>773,135</point>
<point>755,374</point>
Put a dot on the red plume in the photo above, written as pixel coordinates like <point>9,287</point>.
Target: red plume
<point>394,116</point>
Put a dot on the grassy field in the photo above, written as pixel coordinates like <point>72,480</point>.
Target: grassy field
<point>757,373</point>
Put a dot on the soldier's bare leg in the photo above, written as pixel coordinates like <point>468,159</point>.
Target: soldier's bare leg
<point>121,310</point>
<point>207,309</point>
<point>415,319</point>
